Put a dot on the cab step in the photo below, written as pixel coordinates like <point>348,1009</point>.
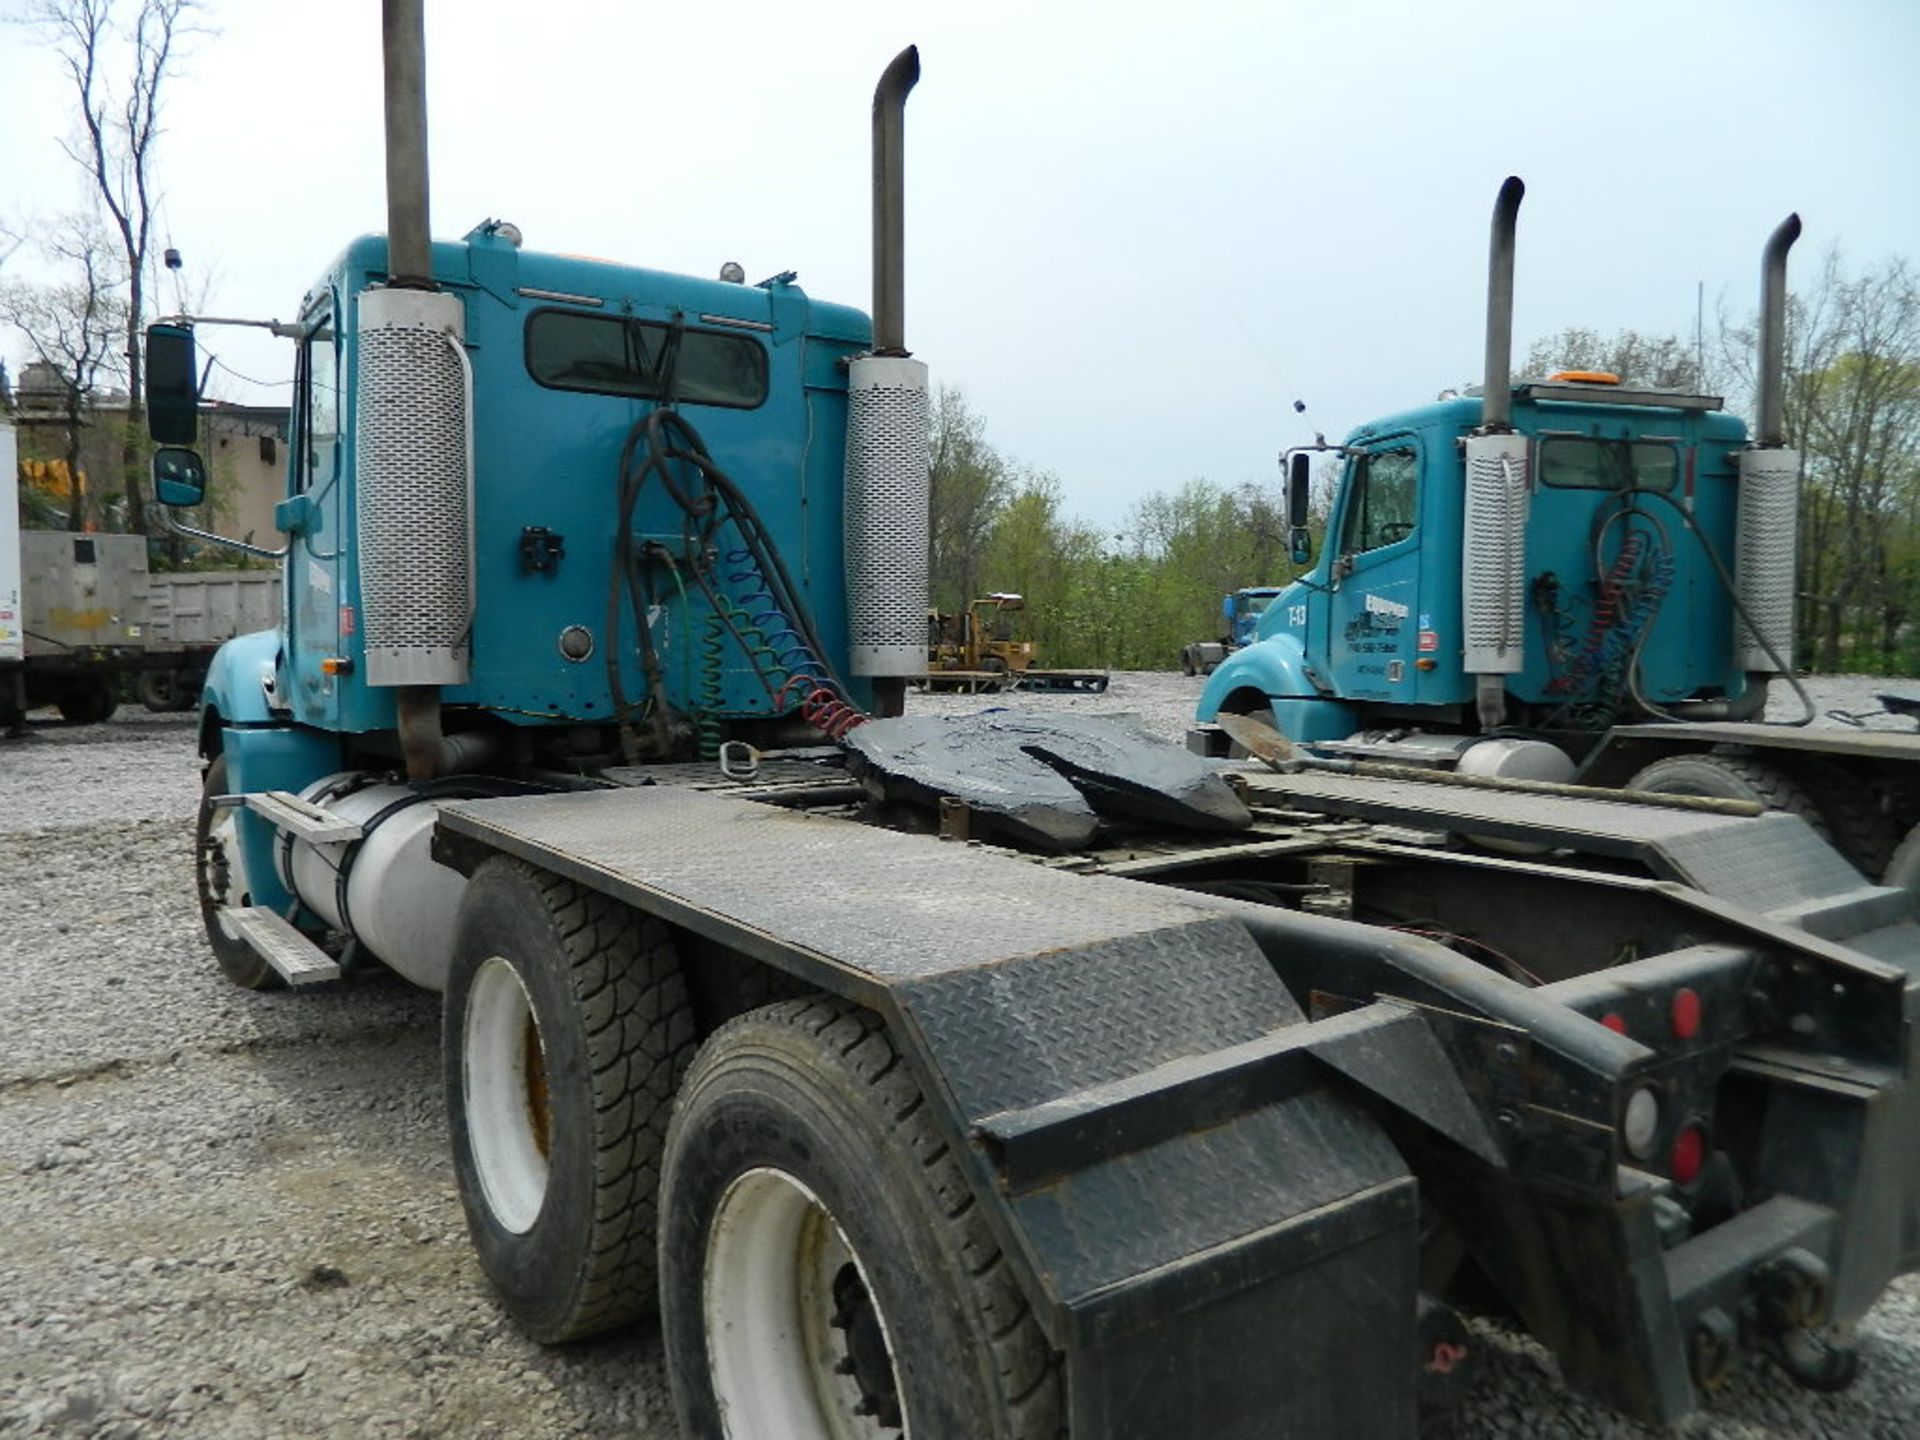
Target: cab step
<point>313,823</point>
<point>295,958</point>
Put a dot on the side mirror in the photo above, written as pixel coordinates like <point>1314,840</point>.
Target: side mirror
<point>179,477</point>
<point>1299,485</point>
<point>1299,496</point>
<point>173,385</point>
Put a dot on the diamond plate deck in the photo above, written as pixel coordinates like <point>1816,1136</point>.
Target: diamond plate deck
<point>1763,863</point>
<point>1902,745</point>
<point>871,901</point>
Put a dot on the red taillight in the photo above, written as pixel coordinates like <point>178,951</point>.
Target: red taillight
<point>1686,1013</point>
<point>1689,1154</point>
<point>1615,1022</point>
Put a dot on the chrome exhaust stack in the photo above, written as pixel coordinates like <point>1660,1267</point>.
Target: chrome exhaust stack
<point>1771,427</point>
<point>887,486</point>
<point>890,202</point>
<point>1766,525</point>
<point>1497,389</point>
<point>1493,568</point>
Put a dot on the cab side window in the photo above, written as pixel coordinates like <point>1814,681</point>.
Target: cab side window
<point>1382,500</point>
<point>319,382</point>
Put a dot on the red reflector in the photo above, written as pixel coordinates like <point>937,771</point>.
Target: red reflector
<point>1689,1154</point>
<point>1615,1022</point>
<point>1686,1013</point>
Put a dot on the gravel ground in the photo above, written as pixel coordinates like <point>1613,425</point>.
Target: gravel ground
<point>232,1216</point>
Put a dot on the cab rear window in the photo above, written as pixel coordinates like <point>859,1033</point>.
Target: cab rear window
<point>1576,463</point>
<point>618,355</point>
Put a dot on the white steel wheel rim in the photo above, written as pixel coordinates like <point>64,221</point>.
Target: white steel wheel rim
<point>508,1112</point>
<point>772,1254</point>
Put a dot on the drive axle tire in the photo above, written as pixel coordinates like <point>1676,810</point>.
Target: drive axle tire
<point>219,878</point>
<point>1861,830</point>
<point>825,1272</point>
<point>166,692</point>
<point>1732,777</point>
<point>91,704</point>
<point>566,1030</point>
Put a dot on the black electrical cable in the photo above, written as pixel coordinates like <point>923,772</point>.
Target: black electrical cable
<point>663,444</point>
<point>1740,606</point>
<point>661,427</point>
<point>1627,510</point>
<point>627,573</point>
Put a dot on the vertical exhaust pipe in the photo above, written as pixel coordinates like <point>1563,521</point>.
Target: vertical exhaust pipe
<point>889,202</point>
<point>1493,562</point>
<point>1771,426</point>
<point>413,399</point>
<point>1767,517</point>
<point>403,40</point>
<point>886,489</point>
<point>1497,389</point>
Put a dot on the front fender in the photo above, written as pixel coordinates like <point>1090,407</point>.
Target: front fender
<point>1276,668</point>
<point>239,678</point>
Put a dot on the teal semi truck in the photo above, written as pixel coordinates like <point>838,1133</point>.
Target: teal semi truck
<point>1569,578</point>
<point>1240,613</point>
<point>1006,1076</point>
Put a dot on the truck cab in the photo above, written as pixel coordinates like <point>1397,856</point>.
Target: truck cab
<point>1626,491</point>
<point>1242,611</point>
<point>563,356</point>
<point>1538,563</point>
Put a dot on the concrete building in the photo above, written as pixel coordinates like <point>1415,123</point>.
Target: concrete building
<point>245,448</point>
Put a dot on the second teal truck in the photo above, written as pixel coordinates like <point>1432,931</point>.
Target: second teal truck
<point>1571,578</point>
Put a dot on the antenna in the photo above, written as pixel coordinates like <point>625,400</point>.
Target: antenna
<point>1700,334</point>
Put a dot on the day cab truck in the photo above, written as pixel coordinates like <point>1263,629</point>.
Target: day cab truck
<point>1008,1076</point>
<point>1240,614</point>
<point>1570,578</point>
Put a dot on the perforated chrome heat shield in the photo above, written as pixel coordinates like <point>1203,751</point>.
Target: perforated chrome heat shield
<point>414,401</point>
<point>1493,577</point>
<point>1767,524</point>
<point>886,516</point>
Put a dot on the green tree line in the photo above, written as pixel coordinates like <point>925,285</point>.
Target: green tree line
<point>1095,599</point>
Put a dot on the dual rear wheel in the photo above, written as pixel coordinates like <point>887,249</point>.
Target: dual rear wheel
<point>821,1268</point>
<point>1841,809</point>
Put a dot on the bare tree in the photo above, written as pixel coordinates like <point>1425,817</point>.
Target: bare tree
<point>72,324</point>
<point>12,237</point>
<point>120,129</point>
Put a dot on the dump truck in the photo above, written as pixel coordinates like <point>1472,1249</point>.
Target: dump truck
<point>83,619</point>
<point>72,613</point>
<point>1001,1076</point>
<point>1569,579</point>
<point>1240,612</point>
<point>980,649</point>
<point>13,639</point>
<point>190,615</point>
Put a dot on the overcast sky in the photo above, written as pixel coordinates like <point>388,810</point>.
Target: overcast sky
<point>1135,232</point>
